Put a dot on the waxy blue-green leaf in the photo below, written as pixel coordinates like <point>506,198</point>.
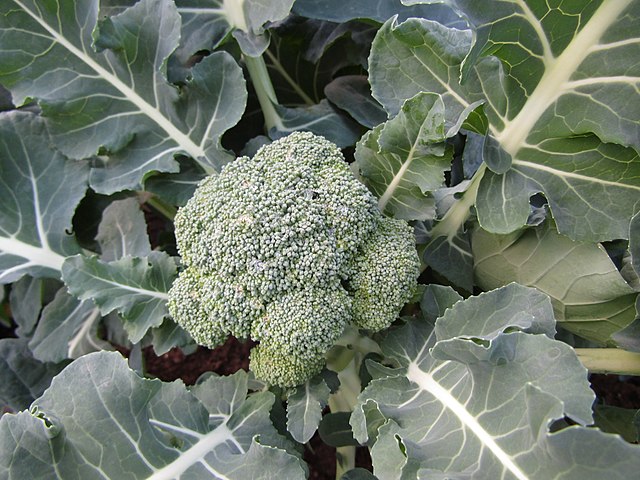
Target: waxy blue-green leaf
<point>123,231</point>
<point>561,101</point>
<point>404,158</point>
<point>304,408</point>
<point>322,119</point>
<point>68,328</point>
<point>136,287</point>
<point>26,299</point>
<point>39,192</point>
<point>23,378</point>
<point>379,10</point>
<point>352,93</point>
<point>475,398</point>
<point>590,297</point>
<point>102,87</point>
<point>129,427</point>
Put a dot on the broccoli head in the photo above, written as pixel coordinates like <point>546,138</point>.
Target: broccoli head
<point>288,248</point>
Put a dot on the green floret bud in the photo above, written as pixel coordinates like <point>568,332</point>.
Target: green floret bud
<point>306,321</point>
<point>296,331</point>
<point>271,365</point>
<point>187,309</point>
<point>292,216</point>
<point>384,275</point>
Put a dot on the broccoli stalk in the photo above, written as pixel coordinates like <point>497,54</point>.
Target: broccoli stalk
<point>264,91</point>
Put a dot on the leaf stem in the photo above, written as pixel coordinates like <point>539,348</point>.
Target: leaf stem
<point>609,360</point>
<point>162,207</point>
<point>458,214</point>
<point>264,90</point>
<point>344,400</point>
<point>278,66</point>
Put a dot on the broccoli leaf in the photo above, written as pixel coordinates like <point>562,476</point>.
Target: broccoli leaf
<point>123,231</point>
<point>23,378</point>
<point>132,427</point>
<point>476,396</point>
<point>112,95</point>
<point>406,157</point>
<point>352,93</point>
<point>304,408</point>
<point>134,286</point>
<point>561,104</point>
<point>378,10</point>
<point>590,297</point>
<point>39,192</point>
<point>67,329</point>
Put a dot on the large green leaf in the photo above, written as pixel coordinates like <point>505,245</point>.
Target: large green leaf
<point>128,427</point>
<point>39,192</point>
<point>136,287</point>
<point>476,397</point>
<point>68,328</point>
<point>378,10</point>
<point>111,94</point>
<point>560,96</point>
<point>589,296</point>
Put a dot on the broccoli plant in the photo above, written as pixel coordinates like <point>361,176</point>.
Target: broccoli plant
<point>421,216</point>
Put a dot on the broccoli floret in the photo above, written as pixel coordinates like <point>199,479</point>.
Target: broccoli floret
<point>267,246</point>
<point>383,275</point>
<point>299,327</point>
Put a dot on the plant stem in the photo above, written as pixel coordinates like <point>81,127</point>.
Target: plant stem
<point>460,211</point>
<point>264,90</point>
<point>609,360</point>
<point>278,66</point>
<point>166,209</point>
<point>345,460</point>
<point>343,401</point>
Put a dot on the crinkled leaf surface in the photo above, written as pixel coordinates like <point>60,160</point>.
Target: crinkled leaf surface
<point>39,192</point>
<point>404,158</point>
<point>304,408</point>
<point>129,427</point>
<point>22,377</point>
<point>590,297</point>
<point>561,99</point>
<point>134,286</point>
<point>103,87</point>
<point>474,398</point>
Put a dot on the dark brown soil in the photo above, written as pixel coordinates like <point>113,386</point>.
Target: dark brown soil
<point>617,392</point>
<point>224,360</point>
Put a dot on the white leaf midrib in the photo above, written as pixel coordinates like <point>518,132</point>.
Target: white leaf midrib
<point>43,257</point>
<point>557,74</point>
<point>426,382</point>
<point>149,110</point>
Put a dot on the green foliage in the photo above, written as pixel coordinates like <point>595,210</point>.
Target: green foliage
<point>310,149</point>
